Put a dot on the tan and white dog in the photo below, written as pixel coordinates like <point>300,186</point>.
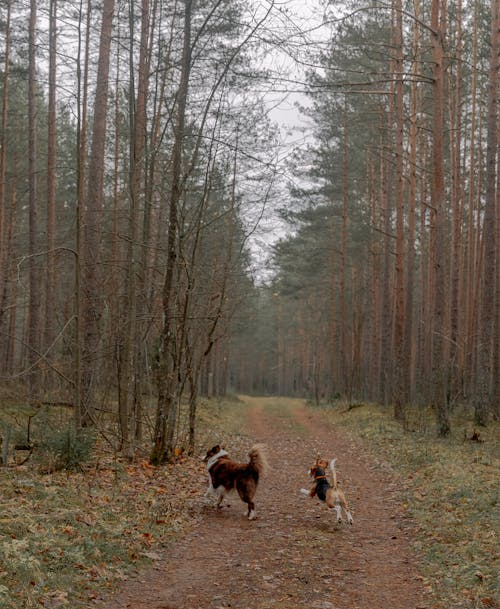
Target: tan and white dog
<point>325,491</point>
<point>225,475</point>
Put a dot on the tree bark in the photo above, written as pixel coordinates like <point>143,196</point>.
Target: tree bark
<point>92,309</point>
<point>345,352</point>
<point>471,253</point>
<point>137,139</point>
<point>4,279</point>
<point>50,295</point>
<point>438,222</point>
<point>401,357</point>
<point>34,337</point>
<point>81,154</point>
<point>456,262</point>
<point>167,403</point>
<point>409,337</point>
<point>483,402</point>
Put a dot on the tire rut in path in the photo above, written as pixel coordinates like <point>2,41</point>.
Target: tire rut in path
<point>293,555</point>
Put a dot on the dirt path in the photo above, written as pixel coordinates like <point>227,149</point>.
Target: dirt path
<point>293,555</point>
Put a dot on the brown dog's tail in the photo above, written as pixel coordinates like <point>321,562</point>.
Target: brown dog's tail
<point>258,458</point>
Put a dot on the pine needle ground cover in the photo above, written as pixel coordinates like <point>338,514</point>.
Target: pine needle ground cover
<point>66,536</point>
<point>450,489</point>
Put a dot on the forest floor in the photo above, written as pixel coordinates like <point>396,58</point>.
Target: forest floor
<point>293,555</point>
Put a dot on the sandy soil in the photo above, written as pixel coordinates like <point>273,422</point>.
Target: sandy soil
<point>294,555</point>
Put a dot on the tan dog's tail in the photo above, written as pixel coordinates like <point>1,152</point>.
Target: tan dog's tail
<point>258,458</point>
<point>334,473</point>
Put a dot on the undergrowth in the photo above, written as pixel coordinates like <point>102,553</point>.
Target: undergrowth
<point>450,488</point>
<point>76,519</point>
<point>67,536</point>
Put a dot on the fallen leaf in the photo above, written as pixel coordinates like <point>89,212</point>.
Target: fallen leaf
<point>151,555</point>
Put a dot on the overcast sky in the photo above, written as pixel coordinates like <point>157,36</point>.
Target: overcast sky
<point>305,20</point>
<point>306,17</point>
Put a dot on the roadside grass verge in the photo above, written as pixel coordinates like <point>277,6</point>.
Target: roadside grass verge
<point>220,421</point>
<point>68,536</point>
<point>450,489</point>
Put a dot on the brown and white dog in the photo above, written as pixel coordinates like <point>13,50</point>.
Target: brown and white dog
<point>225,475</point>
<point>331,494</point>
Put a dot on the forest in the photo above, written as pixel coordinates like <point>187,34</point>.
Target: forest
<point>267,227</point>
<point>141,167</point>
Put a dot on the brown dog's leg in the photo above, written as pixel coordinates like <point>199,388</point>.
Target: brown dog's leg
<point>247,493</point>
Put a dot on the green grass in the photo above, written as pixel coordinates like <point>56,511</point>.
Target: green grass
<point>220,418</point>
<point>65,535</point>
<point>68,536</point>
<point>450,488</point>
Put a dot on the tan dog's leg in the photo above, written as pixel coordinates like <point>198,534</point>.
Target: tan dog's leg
<point>343,503</point>
<point>336,499</point>
<point>332,501</point>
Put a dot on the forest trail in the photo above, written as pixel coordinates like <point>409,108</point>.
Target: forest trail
<point>294,555</point>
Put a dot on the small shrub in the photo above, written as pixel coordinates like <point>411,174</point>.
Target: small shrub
<point>66,449</point>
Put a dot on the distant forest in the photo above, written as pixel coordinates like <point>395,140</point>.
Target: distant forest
<point>138,158</point>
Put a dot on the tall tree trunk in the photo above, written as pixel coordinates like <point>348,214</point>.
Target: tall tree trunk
<point>375,272</point>
<point>345,354</point>
<point>11,340</point>
<point>50,297</point>
<point>3,137</point>
<point>496,342</point>
<point>401,357</point>
<point>456,263</point>
<point>137,138</point>
<point>386,300</point>
<point>4,279</point>
<point>34,337</point>
<point>81,155</point>
<point>149,170</point>
<point>332,328</point>
<point>438,221</point>
<point>92,309</point>
<point>483,402</point>
<point>471,253</point>
<point>409,339</point>
<point>426,298</point>
<point>167,400</point>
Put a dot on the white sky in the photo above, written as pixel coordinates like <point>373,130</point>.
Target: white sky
<point>306,18</point>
